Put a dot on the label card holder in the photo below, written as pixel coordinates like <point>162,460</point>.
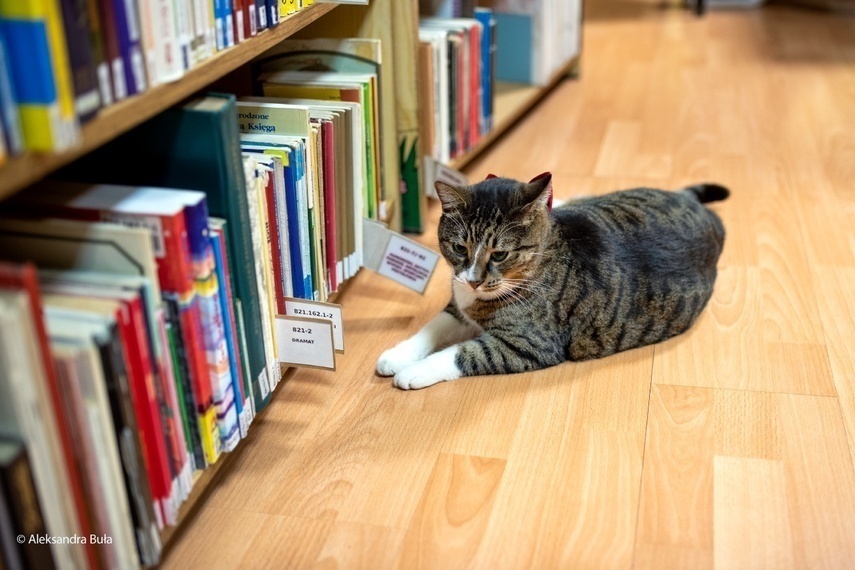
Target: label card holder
<point>317,310</point>
<point>305,342</point>
<point>402,260</point>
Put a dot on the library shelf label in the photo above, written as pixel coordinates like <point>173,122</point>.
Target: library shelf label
<point>305,342</point>
<point>316,310</point>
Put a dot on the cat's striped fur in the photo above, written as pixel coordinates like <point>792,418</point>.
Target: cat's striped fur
<point>533,287</point>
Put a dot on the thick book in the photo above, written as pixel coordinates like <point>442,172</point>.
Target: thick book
<point>87,97</point>
<point>35,38</point>
<point>22,506</point>
<point>197,147</point>
<point>113,50</point>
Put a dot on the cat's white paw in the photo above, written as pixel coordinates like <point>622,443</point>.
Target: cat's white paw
<point>397,358</point>
<point>438,367</point>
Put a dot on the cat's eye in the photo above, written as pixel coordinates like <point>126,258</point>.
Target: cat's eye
<point>499,256</point>
<point>459,249</point>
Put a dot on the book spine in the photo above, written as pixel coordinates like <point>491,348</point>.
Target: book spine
<point>127,435</point>
<point>254,188</point>
<point>99,53</point>
<point>127,26</point>
<point>274,14</point>
<point>240,29</point>
<point>250,18</point>
<point>229,23</point>
<point>75,16</point>
<point>219,24</point>
<point>224,300</point>
<point>114,52</point>
<point>163,49</point>
<point>305,207</point>
<point>41,73</point>
<point>261,15</point>
<point>291,192</point>
<point>330,202</point>
<point>275,247</point>
<point>247,289</point>
<point>146,411</point>
<point>184,385</point>
<point>184,32</point>
<point>207,293</point>
<point>12,134</point>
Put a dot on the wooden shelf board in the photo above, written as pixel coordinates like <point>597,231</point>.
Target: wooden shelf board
<point>24,170</point>
<point>513,101</point>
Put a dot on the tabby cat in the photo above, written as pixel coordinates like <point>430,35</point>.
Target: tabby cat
<point>533,287</point>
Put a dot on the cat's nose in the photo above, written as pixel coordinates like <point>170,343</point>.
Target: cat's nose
<point>474,284</point>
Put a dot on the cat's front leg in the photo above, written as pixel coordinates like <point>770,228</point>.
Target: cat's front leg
<point>489,353</point>
<point>443,330</point>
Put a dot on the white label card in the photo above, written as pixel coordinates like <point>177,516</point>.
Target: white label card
<point>317,310</point>
<point>408,263</point>
<point>305,342</point>
<point>449,175</point>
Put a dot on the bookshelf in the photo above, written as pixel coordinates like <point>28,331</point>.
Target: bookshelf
<point>513,101</point>
<point>116,119</point>
<point>397,28</point>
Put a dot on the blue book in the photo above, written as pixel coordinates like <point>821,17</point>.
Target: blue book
<point>12,135</point>
<point>128,32</point>
<point>513,48</point>
<point>488,51</point>
<point>310,280</point>
<point>298,230</point>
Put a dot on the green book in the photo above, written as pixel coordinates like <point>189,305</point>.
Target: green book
<point>197,147</point>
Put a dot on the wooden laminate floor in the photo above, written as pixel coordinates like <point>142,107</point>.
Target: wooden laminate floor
<point>731,446</point>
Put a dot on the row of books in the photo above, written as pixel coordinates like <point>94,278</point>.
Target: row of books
<point>63,60</point>
<point>534,38</point>
<point>138,309</point>
<point>456,67</point>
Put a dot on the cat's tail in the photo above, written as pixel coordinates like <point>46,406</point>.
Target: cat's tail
<point>707,192</point>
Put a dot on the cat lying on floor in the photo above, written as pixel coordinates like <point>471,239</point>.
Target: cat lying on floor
<point>533,287</point>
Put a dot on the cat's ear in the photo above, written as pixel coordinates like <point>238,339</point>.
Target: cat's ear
<point>451,198</point>
<point>538,192</point>
<point>489,176</point>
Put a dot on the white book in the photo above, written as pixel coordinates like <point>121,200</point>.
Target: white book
<point>78,339</point>
<point>26,412</point>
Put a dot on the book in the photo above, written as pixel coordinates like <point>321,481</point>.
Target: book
<point>82,343</point>
<point>21,507</point>
<point>40,71</point>
<point>196,147</point>
<point>113,50</point>
<point>9,119</point>
<point>488,66</point>
<point>28,383</point>
<point>160,41</point>
<point>128,33</point>
<point>243,401</point>
<point>87,97</point>
<point>98,50</point>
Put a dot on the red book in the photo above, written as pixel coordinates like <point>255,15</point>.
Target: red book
<point>275,245</point>
<point>241,26</point>
<point>474,85</point>
<point>23,276</point>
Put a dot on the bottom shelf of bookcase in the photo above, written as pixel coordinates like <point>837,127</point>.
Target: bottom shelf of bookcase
<point>513,101</point>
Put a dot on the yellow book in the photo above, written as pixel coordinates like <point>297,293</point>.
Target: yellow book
<point>41,71</point>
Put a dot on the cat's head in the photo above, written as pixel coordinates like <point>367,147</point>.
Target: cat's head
<point>492,233</point>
